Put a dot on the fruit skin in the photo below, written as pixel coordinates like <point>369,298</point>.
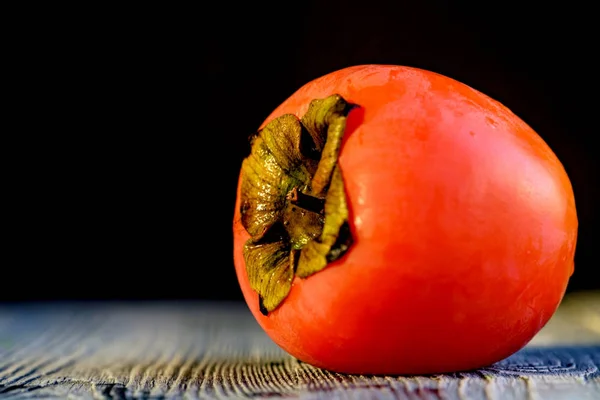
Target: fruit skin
<point>464,226</point>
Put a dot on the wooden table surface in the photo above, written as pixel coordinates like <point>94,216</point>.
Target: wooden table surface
<point>179,350</point>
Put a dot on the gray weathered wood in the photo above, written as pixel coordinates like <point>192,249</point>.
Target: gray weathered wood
<point>210,350</point>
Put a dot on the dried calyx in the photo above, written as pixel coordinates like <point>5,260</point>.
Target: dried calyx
<point>293,201</point>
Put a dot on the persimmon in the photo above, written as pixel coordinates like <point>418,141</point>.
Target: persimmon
<point>391,220</point>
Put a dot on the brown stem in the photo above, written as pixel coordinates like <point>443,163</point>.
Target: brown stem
<point>306,201</point>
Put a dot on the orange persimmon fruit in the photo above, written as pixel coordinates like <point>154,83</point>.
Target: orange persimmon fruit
<point>449,241</point>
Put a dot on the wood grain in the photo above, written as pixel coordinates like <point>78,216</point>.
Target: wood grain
<point>209,351</point>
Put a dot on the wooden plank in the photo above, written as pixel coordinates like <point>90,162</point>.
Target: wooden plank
<point>216,350</point>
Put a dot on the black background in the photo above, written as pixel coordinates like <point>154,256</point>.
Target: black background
<point>130,185</point>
